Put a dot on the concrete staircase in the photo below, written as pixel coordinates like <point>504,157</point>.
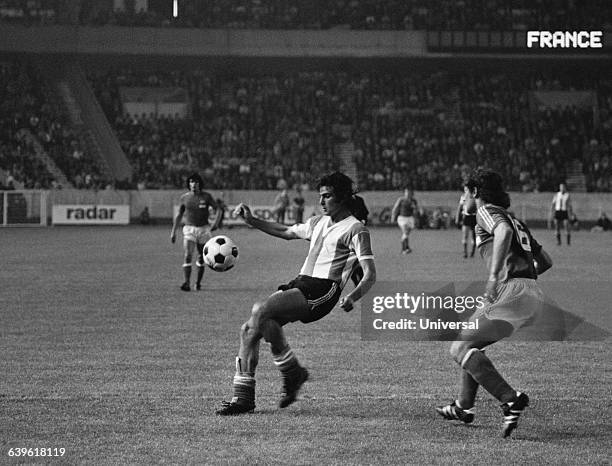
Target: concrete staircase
<point>85,114</point>
<point>576,181</point>
<point>59,175</point>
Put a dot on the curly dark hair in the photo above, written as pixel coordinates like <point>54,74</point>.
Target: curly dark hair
<point>195,177</point>
<point>342,184</point>
<point>490,186</point>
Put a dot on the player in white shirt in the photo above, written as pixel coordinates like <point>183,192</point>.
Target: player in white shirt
<point>339,243</point>
<point>561,209</point>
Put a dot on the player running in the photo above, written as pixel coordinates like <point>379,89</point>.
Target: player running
<point>338,243</point>
<point>466,216</point>
<point>195,206</point>
<point>514,259</point>
<point>561,208</point>
<point>403,213</point>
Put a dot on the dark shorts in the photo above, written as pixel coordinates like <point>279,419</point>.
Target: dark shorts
<point>469,221</point>
<point>561,215</point>
<point>321,294</point>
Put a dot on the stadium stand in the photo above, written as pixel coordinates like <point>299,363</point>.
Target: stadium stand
<point>425,129</point>
<point>308,14</point>
<point>39,147</point>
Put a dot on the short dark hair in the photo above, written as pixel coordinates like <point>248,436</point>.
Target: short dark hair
<point>197,178</point>
<point>342,184</point>
<point>490,187</point>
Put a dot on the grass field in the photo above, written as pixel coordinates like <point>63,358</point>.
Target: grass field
<point>103,355</point>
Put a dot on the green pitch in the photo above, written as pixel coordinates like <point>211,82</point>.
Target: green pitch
<point>103,355</point>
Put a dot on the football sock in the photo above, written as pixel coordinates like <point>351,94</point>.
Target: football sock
<point>244,386</point>
<point>287,363</point>
<point>558,238</point>
<point>200,272</point>
<point>473,249</point>
<point>469,388</point>
<point>464,249</point>
<point>187,271</point>
<point>569,237</point>
<point>480,367</point>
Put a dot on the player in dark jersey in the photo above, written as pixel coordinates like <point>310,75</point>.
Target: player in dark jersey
<point>514,260</point>
<point>403,213</point>
<point>195,206</point>
<point>466,217</point>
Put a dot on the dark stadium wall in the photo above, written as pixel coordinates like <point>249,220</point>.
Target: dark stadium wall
<point>532,207</point>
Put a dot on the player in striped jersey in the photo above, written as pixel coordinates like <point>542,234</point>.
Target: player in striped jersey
<point>561,208</point>
<point>338,244</point>
<point>514,260</point>
<point>466,216</point>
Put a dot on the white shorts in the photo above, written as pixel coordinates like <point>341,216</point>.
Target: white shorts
<point>405,222</point>
<point>198,235</point>
<point>518,303</point>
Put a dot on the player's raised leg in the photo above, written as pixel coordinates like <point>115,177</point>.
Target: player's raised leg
<point>267,319</point>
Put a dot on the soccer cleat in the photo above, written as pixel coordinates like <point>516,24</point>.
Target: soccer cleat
<point>198,286</point>
<point>185,287</point>
<point>231,408</point>
<point>512,412</point>
<point>291,387</point>
<point>452,412</point>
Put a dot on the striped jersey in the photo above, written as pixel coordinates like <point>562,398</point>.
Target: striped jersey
<point>335,249</point>
<point>561,200</point>
<point>518,262</point>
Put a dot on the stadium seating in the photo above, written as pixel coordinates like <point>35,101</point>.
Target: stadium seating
<point>423,129</point>
<point>33,127</point>
<point>308,14</point>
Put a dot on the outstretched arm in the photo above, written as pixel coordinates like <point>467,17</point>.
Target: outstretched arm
<point>271,228</point>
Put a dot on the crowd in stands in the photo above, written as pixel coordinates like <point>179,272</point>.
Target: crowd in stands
<point>318,14</point>
<point>422,129</point>
<point>33,129</point>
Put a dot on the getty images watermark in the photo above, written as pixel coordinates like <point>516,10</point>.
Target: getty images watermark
<point>565,39</point>
<point>438,311</point>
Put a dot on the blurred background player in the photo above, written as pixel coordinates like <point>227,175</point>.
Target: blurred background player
<point>338,242</point>
<point>298,205</point>
<point>281,202</point>
<point>514,259</point>
<point>466,217</point>
<point>403,213</point>
<point>561,210</point>
<point>196,206</point>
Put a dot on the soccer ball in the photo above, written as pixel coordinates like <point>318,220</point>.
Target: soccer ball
<point>220,253</point>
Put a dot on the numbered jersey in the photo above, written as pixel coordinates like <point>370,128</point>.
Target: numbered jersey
<point>518,262</point>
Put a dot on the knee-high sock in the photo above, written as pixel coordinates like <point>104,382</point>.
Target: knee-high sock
<point>200,272</point>
<point>483,372</point>
<point>244,386</point>
<point>286,362</point>
<point>187,271</point>
<point>469,388</point>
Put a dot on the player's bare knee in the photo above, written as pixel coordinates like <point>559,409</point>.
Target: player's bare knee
<point>258,312</point>
<point>459,349</point>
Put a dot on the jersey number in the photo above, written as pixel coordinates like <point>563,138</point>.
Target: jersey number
<point>523,237</point>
